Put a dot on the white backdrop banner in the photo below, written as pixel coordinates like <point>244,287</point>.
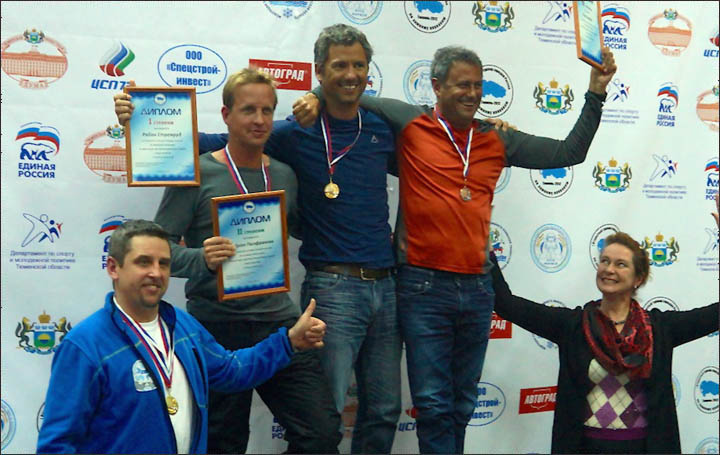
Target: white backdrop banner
<point>651,171</point>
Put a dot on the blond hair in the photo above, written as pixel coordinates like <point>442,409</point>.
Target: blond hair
<point>243,77</point>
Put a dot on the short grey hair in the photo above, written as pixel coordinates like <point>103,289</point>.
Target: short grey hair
<point>343,35</point>
<point>446,56</point>
<point>120,238</point>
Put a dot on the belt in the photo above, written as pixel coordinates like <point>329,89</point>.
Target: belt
<point>353,270</point>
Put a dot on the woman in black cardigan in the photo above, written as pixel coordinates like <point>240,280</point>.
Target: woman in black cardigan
<point>614,392</point>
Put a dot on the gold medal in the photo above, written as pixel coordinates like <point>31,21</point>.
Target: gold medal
<point>172,404</point>
<point>465,194</point>
<point>332,190</point>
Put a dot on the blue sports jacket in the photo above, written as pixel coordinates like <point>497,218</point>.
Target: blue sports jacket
<point>105,395</point>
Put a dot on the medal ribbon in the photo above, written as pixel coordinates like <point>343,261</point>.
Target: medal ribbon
<point>163,358</point>
<point>328,143</point>
<point>237,178</point>
<point>464,157</point>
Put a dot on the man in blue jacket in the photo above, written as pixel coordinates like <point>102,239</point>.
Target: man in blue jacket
<point>134,377</point>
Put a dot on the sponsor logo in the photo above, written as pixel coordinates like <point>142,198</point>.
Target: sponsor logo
<point>288,75</point>
<point>668,96</point>
<point>503,180</point>
<point>39,337</point>
<point>497,94</point>
<point>43,231</point>
<point>106,229</point>
<point>676,389</point>
<point>491,17</point>
<point>665,170</point>
<point>661,303</point>
<point>553,100</point>
<point>706,390</point>
<point>708,259</point>
<point>417,84</point>
<point>712,245</point>
<point>557,25</point>
<point>707,445</point>
<point>41,228</point>
<point>39,144</point>
<point>616,24</point>
<point>428,16</point>
<point>597,241</point>
<point>499,327</point>
<point>537,399</point>
<point>9,424</point>
<point>104,154</point>
<point>714,40</point>
<point>35,60</point>
<point>40,416</point>
<point>612,178</point>
<point>374,80</point>
<point>662,252</point>
<point>664,167</point>
<point>619,91</point>
<point>543,343</point>
<point>192,65</point>
<point>360,13</point>
<point>550,248</point>
<point>712,170</point>
<point>113,63</point>
<point>617,109</point>
<point>489,406</point>
<point>288,9</point>
<point>552,183</point>
<point>410,425</point>
<point>501,244</point>
<point>708,108</point>
<point>670,32</point>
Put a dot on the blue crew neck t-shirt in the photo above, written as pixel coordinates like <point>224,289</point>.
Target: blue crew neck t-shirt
<point>353,228</point>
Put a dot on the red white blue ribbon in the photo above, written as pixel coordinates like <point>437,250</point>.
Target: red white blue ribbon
<point>162,356</point>
<point>464,157</point>
<point>237,178</point>
<point>331,159</point>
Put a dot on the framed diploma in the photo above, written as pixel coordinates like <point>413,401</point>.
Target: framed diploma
<point>161,141</point>
<point>256,224</point>
<point>588,32</point>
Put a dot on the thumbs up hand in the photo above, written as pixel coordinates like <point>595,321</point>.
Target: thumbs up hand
<point>308,332</point>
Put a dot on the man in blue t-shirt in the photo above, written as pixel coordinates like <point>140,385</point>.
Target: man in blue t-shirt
<point>341,163</point>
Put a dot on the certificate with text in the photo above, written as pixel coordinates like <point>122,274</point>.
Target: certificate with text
<point>257,226</point>
<point>162,139</point>
<point>588,32</point>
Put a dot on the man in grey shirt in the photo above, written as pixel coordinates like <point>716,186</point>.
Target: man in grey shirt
<point>298,395</point>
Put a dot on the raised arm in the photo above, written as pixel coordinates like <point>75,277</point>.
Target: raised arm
<point>535,152</point>
<point>547,322</point>
<point>685,326</point>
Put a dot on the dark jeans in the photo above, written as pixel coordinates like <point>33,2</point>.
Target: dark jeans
<point>445,322</point>
<point>298,396</point>
<point>362,334</point>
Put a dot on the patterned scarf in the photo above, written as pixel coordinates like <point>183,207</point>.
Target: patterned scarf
<point>631,352</point>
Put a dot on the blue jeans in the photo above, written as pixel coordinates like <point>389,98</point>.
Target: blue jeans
<point>445,322</point>
<point>362,332</point>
